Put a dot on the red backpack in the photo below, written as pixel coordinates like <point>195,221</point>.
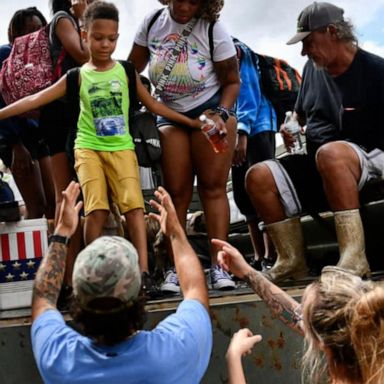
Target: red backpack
<point>29,67</point>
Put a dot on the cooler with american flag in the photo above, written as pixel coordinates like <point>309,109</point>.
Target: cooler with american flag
<point>22,246</point>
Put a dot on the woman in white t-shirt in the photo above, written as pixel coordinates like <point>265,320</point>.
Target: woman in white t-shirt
<point>205,76</point>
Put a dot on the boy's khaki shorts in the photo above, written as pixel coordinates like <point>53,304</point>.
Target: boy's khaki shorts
<point>106,176</point>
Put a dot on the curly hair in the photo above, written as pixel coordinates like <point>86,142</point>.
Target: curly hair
<point>100,10</point>
<point>344,315</point>
<point>210,9</point>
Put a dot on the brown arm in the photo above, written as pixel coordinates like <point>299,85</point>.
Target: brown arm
<point>229,77</point>
<point>71,40</point>
<point>139,56</point>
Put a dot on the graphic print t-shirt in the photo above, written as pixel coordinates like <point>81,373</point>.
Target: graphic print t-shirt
<point>193,80</point>
<point>104,104</point>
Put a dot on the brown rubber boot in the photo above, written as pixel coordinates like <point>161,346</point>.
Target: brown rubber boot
<point>287,237</point>
<point>350,236</point>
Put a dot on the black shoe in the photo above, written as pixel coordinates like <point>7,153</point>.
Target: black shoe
<point>266,264</point>
<point>149,286</point>
<point>262,264</point>
<point>65,297</point>
<point>256,264</point>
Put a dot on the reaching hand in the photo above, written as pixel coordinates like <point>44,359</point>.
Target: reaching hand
<point>242,342</point>
<point>167,216</point>
<point>69,210</point>
<point>230,259</point>
<point>220,125</point>
<point>240,154</point>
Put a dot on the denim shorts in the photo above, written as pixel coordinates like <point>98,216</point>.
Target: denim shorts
<point>212,103</point>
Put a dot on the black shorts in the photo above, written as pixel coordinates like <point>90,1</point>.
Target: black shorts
<point>307,181</point>
<point>260,147</point>
<point>31,137</point>
<point>57,122</point>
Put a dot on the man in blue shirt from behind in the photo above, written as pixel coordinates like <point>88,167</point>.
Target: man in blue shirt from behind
<point>112,347</point>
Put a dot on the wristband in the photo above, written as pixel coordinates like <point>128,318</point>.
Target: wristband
<point>59,239</point>
<point>223,112</point>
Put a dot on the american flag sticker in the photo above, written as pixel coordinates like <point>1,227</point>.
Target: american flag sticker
<point>22,245</point>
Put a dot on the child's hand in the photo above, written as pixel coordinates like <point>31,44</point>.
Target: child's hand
<point>167,216</point>
<point>242,343</point>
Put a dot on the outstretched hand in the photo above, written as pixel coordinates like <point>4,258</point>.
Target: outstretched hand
<point>230,259</point>
<point>69,210</point>
<point>167,216</point>
<point>242,343</point>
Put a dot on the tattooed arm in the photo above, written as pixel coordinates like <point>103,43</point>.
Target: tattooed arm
<point>280,303</point>
<point>50,275</point>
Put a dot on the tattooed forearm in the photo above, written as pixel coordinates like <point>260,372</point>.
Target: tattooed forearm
<point>280,303</point>
<point>50,275</point>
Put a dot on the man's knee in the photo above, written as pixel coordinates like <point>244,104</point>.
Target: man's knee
<point>257,177</point>
<point>327,154</point>
<point>336,153</point>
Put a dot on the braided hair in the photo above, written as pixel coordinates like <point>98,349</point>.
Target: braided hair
<point>17,25</point>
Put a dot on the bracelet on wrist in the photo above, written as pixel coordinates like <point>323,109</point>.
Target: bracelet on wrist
<point>59,239</point>
<point>223,112</point>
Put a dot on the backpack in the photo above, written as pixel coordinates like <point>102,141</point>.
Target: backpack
<point>9,208</point>
<point>142,124</point>
<point>279,82</point>
<point>29,68</point>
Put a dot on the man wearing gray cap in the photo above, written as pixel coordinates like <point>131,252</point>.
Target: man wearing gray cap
<point>341,102</point>
<point>111,346</point>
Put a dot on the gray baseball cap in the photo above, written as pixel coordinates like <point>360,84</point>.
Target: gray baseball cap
<point>315,16</point>
<point>108,267</point>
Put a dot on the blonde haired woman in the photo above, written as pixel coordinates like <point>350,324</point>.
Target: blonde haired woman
<point>341,317</point>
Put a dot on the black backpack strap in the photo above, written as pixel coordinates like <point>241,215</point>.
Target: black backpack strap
<point>132,89</point>
<point>73,98</point>
<point>73,88</point>
<point>154,18</point>
<point>210,38</point>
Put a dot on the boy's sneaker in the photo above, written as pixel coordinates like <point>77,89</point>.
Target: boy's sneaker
<point>171,282</point>
<point>221,279</point>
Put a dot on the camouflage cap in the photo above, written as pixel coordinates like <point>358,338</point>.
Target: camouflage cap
<point>108,267</point>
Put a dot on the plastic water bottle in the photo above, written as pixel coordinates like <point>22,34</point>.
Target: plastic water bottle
<point>218,141</point>
<point>293,127</point>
